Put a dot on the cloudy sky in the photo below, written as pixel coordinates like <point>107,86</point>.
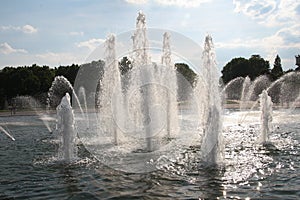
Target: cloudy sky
<point>56,32</point>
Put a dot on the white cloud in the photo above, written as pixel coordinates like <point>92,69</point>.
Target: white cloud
<point>74,33</point>
<point>91,44</point>
<point>27,29</point>
<point>6,49</point>
<point>254,8</point>
<point>55,59</point>
<point>283,40</point>
<point>270,12</point>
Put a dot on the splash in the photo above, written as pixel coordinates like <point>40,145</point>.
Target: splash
<point>212,145</point>
<point>266,116</point>
<point>66,130</point>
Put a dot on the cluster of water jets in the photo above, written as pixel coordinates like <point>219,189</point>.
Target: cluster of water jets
<point>149,101</point>
<point>145,113</point>
<point>282,93</point>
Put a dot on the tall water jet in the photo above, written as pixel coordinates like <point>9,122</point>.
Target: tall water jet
<point>266,116</point>
<point>139,84</point>
<point>82,98</point>
<point>245,91</point>
<point>140,42</point>
<point>170,78</point>
<point>110,98</point>
<point>211,147</point>
<point>66,130</point>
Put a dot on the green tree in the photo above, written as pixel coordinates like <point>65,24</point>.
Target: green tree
<point>237,67</point>
<point>70,72</point>
<point>241,67</point>
<point>258,66</point>
<point>277,71</point>
<point>45,76</point>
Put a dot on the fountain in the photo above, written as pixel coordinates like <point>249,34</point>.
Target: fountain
<point>266,116</point>
<point>139,123</point>
<point>170,75</point>
<point>58,89</point>
<point>135,124</point>
<point>232,90</point>
<point>66,130</point>
<point>252,90</point>
<point>142,128</point>
<point>285,90</point>
<point>110,98</point>
<point>245,91</point>
<point>211,147</point>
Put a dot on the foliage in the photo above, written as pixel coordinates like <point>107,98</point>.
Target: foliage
<point>68,72</point>
<point>31,80</point>
<point>277,71</point>
<point>241,67</point>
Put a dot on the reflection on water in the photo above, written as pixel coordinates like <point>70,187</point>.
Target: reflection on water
<point>29,170</point>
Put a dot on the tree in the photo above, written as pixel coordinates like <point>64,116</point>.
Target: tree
<point>258,66</point>
<point>277,71</point>
<point>241,67</point>
<point>70,72</point>
<point>237,67</point>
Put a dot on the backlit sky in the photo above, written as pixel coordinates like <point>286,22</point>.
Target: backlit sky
<point>57,32</point>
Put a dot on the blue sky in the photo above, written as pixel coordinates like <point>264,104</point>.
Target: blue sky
<point>56,32</point>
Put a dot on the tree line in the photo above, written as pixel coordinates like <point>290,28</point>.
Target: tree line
<point>36,80</point>
<point>31,80</point>
<point>253,67</point>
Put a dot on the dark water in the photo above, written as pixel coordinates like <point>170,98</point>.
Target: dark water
<point>29,169</point>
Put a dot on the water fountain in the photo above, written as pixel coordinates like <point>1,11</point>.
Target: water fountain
<point>211,147</point>
<point>285,90</point>
<point>110,98</point>
<point>58,89</point>
<point>169,74</point>
<point>266,116</point>
<point>245,91</point>
<point>66,130</point>
<point>135,130</point>
<point>140,123</point>
<point>232,90</point>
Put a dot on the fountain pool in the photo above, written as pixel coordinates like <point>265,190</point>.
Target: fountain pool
<point>29,167</point>
<point>138,142</point>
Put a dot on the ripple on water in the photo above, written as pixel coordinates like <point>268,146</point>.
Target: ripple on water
<point>29,169</point>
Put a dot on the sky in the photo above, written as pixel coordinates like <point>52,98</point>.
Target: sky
<point>62,32</point>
